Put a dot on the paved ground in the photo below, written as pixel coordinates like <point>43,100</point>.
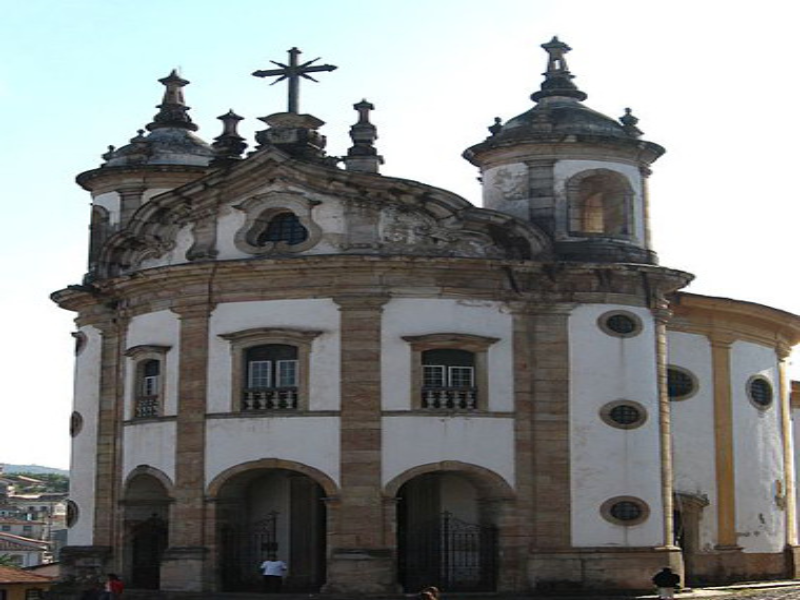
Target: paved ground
<point>773,590</point>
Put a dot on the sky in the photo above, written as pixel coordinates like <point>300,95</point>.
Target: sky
<point>715,82</point>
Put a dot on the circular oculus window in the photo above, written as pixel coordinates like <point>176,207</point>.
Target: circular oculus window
<point>75,423</point>
<point>759,390</point>
<point>625,510</point>
<point>72,513</point>
<point>620,323</point>
<point>681,384</point>
<point>624,414</point>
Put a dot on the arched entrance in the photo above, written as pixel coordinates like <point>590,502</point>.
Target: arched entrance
<point>446,535</point>
<point>146,527</point>
<point>261,512</point>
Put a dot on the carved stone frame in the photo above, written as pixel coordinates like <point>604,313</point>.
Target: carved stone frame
<point>139,355</point>
<point>477,344</point>
<point>261,209</point>
<point>260,336</point>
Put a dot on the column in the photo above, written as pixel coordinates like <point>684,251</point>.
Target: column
<point>183,567</point>
<point>361,559</point>
<point>662,315</point>
<point>723,443</point>
<point>789,483</point>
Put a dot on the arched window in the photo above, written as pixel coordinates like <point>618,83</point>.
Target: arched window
<point>284,227</point>
<point>599,204</point>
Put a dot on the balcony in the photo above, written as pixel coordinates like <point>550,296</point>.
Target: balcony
<point>269,399</point>
<point>146,407</point>
<point>450,398</point>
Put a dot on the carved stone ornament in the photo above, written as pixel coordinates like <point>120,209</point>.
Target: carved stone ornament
<point>414,231</point>
<point>262,209</point>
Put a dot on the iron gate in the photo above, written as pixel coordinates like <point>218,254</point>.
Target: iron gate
<point>449,553</point>
<point>244,548</point>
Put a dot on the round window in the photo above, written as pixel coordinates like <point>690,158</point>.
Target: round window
<point>681,384</point>
<point>625,510</point>
<point>72,513</point>
<point>759,389</point>
<point>75,423</point>
<point>624,414</point>
<point>620,323</point>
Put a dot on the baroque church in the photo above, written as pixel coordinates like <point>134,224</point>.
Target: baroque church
<point>281,352</point>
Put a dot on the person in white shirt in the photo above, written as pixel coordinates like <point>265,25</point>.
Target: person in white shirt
<point>273,571</point>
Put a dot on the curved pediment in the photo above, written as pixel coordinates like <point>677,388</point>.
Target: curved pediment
<point>273,206</point>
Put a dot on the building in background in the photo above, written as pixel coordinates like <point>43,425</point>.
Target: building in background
<point>388,387</point>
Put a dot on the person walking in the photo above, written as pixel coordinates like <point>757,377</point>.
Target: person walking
<point>273,571</point>
<point>113,587</point>
<point>666,581</point>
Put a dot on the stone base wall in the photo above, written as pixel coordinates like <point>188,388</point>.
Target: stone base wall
<point>600,569</point>
<point>728,567</point>
<point>361,572</point>
<point>184,569</point>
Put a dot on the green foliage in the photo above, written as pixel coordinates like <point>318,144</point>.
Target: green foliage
<point>6,560</point>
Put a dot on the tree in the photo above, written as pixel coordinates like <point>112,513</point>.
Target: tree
<point>6,560</point>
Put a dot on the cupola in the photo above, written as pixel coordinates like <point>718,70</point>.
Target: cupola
<point>165,155</point>
<point>574,172</point>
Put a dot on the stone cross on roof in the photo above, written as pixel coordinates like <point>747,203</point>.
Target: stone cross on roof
<point>293,72</point>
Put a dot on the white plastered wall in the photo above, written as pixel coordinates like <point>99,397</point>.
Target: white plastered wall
<point>111,202</point>
<point>311,441</point>
<point>301,315</point>
<point>275,437</point>
<point>421,316</point>
<point>83,470</point>
<point>607,462</point>
<point>758,452</point>
<point>410,441</point>
<point>692,424</point>
<point>152,443</point>
<point>506,188</point>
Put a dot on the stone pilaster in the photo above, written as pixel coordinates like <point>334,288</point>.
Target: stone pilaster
<point>549,415</point>
<point>110,414</point>
<point>788,493</point>
<point>723,443</point>
<point>361,558</point>
<point>662,315</point>
<point>130,199</point>
<point>184,563</point>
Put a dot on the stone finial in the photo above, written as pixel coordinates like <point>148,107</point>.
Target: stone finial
<point>363,156</point>
<point>173,109</point>
<point>229,145</point>
<point>558,79</point>
<point>497,127</point>
<point>629,124</point>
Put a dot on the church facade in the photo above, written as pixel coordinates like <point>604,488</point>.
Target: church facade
<point>387,387</point>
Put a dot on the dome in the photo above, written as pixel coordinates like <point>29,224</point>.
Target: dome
<point>170,141</point>
<point>163,146</point>
<point>562,116</point>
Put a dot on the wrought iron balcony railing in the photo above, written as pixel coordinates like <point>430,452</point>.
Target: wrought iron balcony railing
<point>146,407</point>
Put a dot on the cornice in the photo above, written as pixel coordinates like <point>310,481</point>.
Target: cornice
<point>724,321</point>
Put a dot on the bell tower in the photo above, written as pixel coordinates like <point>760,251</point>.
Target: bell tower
<point>574,172</point>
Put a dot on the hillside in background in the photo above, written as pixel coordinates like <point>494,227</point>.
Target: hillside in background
<point>7,468</point>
